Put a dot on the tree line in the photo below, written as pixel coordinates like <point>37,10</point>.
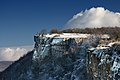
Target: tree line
<point>114,32</point>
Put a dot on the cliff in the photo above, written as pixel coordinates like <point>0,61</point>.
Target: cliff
<point>67,56</point>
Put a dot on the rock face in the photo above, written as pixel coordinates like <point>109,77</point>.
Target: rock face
<point>104,62</point>
<point>61,57</point>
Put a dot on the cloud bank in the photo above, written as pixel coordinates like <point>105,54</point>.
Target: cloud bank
<point>13,53</point>
<point>94,17</point>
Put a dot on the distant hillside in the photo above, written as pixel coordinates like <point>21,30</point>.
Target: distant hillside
<point>4,65</point>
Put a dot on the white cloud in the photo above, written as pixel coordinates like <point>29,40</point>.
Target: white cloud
<point>13,53</point>
<point>94,17</point>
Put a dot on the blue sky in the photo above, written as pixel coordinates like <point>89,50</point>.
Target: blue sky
<point>21,19</point>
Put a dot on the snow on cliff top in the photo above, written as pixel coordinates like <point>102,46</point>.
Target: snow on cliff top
<point>67,35</point>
